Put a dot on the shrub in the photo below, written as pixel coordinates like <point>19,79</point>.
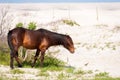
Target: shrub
<point>19,25</point>
<point>32,26</point>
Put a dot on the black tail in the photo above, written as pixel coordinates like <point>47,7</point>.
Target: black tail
<point>9,38</point>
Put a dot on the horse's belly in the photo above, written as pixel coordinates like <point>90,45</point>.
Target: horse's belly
<point>29,46</point>
<point>28,43</point>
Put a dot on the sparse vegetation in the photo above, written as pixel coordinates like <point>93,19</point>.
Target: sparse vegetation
<point>19,25</point>
<point>101,25</point>
<point>3,78</point>
<point>80,72</point>
<point>61,76</point>
<point>70,70</point>
<point>104,76</point>
<point>17,71</point>
<point>4,58</point>
<point>45,74</point>
<point>32,26</point>
<point>90,72</point>
<point>70,22</point>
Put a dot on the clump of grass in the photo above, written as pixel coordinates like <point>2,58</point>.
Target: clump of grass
<point>62,76</point>
<point>51,68</point>
<point>17,71</point>
<point>50,63</point>
<point>3,78</point>
<point>43,74</point>
<point>4,58</point>
<point>103,25</point>
<point>90,72</point>
<point>103,74</point>
<point>111,45</point>
<point>70,70</point>
<point>116,29</point>
<point>19,24</point>
<point>70,22</point>
<point>106,78</point>
<point>81,72</point>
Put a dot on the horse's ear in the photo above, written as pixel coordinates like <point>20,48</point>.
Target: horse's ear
<point>67,36</point>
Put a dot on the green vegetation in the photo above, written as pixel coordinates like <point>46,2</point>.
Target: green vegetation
<point>61,76</point>
<point>17,71</point>
<point>70,22</point>
<point>89,71</point>
<point>4,58</point>
<point>43,74</point>
<point>80,72</point>
<point>104,76</point>
<point>101,25</point>
<point>70,70</point>
<point>52,61</point>
<point>3,78</point>
<point>51,64</point>
<point>32,26</point>
<point>19,25</point>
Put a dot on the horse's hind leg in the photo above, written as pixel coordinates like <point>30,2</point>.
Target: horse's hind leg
<point>14,54</point>
<point>11,59</point>
<point>17,59</point>
<point>35,58</point>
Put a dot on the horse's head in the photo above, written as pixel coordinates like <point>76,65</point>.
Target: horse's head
<point>68,44</point>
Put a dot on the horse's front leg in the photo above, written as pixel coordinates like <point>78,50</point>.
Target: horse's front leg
<point>42,58</point>
<point>35,58</point>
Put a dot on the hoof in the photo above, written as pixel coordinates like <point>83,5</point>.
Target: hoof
<point>41,65</point>
<point>32,65</point>
<point>11,67</point>
<point>19,65</point>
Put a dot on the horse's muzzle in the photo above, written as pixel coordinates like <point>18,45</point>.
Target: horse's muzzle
<point>72,50</point>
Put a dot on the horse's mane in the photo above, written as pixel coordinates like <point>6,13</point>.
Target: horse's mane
<point>50,32</point>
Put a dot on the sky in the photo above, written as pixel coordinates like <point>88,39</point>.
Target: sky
<point>54,1</point>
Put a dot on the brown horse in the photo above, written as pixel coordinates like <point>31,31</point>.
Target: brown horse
<point>40,39</point>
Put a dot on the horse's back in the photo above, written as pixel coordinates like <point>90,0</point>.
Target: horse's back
<point>31,39</point>
<point>17,31</point>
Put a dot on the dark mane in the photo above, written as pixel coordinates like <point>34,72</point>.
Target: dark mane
<point>49,32</point>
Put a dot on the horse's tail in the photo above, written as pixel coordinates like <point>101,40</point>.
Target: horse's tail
<point>9,38</point>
